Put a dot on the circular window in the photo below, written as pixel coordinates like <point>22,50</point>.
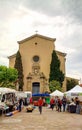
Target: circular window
<point>36,58</point>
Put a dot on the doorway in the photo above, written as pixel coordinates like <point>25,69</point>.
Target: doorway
<point>35,87</point>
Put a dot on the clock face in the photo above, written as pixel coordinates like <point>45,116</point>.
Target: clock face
<point>36,58</point>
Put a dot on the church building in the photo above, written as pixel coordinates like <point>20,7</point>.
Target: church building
<point>36,54</point>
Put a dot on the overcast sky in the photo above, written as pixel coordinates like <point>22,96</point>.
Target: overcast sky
<point>60,19</point>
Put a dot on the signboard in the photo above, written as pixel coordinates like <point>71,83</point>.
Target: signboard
<point>74,94</point>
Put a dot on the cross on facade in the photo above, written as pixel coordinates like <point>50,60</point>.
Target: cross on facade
<point>36,31</point>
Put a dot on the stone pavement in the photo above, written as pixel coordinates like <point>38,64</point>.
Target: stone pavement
<point>48,120</point>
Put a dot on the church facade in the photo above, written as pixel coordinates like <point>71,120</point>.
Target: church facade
<point>36,53</point>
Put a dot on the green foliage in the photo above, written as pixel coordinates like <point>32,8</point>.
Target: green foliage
<point>18,66</point>
<point>71,83</point>
<point>7,76</point>
<point>55,72</point>
<point>54,85</point>
<point>8,85</point>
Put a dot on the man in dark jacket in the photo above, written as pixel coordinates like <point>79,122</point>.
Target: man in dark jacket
<point>64,101</point>
<point>20,104</point>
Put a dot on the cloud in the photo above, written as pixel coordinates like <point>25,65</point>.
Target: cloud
<point>74,9</point>
<point>71,9</point>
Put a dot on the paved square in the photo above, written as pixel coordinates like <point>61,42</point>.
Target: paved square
<point>48,120</point>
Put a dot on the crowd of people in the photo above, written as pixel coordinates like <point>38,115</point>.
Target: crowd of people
<point>57,103</point>
<point>61,105</point>
<point>73,105</point>
<point>64,104</point>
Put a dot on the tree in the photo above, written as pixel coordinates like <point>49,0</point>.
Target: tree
<point>55,72</point>
<point>8,76</point>
<point>18,66</point>
<point>71,83</point>
<point>54,85</point>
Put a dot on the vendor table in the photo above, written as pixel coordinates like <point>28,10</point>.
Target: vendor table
<point>4,110</point>
<point>72,108</point>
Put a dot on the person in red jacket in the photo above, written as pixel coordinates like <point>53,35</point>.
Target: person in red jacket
<point>59,104</point>
<point>31,100</point>
<point>52,103</point>
<point>40,104</point>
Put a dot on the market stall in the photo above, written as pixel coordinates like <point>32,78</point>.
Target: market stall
<point>8,98</point>
<point>45,96</point>
<point>75,91</point>
<point>57,93</point>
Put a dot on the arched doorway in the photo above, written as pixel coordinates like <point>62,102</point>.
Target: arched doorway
<point>35,87</point>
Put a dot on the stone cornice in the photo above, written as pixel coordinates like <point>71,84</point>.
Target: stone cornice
<point>36,35</point>
<point>12,56</point>
<point>61,53</point>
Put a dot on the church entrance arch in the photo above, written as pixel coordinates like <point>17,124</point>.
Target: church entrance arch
<point>35,87</point>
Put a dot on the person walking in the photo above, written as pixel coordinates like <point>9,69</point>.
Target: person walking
<point>52,103</point>
<point>59,104</point>
<point>78,106</point>
<point>56,103</point>
<point>20,104</point>
<point>64,102</point>
<point>40,104</point>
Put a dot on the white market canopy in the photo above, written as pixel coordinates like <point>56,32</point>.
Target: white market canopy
<point>56,93</point>
<point>21,94</point>
<point>6,90</point>
<point>76,90</point>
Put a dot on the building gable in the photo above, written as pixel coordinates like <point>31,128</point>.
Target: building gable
<point>37,35</point>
